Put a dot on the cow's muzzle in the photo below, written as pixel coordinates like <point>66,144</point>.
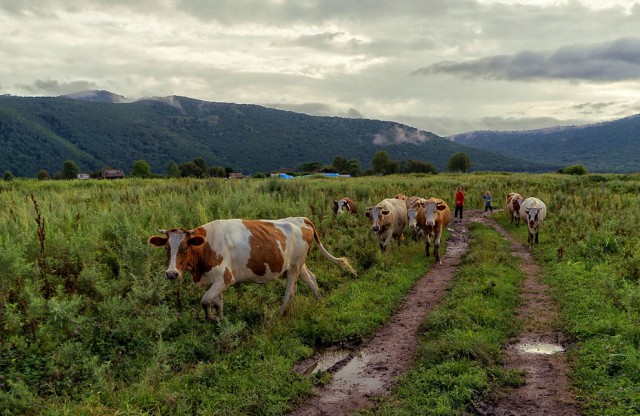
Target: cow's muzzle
<point>172,274</point>
<point>532,223</point>
<point>375,228</point>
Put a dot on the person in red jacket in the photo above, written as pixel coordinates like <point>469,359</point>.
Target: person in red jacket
<point>459,203</point>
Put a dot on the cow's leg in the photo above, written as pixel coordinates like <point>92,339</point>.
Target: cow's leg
<point>292,278</point>
<point>310,280</point>
<point>537,229</point>
<point>213,295</point>
<point>436,247</point>
<point>427,244</point>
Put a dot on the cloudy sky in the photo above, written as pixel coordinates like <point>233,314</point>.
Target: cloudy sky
<point>445,66</point>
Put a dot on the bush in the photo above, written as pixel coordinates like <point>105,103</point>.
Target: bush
<point>575,170</point>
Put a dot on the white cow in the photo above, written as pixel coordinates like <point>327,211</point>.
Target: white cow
<point>533,211</point>
<point>388,220</point>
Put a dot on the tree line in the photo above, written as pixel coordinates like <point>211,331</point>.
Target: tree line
<point>381,164</point>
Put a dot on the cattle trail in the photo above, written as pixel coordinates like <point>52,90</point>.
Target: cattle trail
<point>374,369</point>
<point>538,349</point>
<point>372,372</point>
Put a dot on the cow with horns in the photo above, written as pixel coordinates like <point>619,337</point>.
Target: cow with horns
<point>432,216</point>
<point>344,205</point>
<point>222,253</point>
<point>533,211</point>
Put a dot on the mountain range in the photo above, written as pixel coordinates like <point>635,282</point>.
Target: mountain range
<point>612,146</point>
<point>98,129</point>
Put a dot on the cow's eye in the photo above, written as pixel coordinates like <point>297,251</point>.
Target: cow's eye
<point>184,249</point>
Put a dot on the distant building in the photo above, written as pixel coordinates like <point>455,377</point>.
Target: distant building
<point>83,176</point>
<point>236,175</point>
<point>111,174</point>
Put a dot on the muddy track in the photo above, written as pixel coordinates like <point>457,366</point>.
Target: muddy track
<point>371,372</point>
<point>374,368</point>
<point>538,349</point>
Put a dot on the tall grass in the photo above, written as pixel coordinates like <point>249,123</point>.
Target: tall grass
<point>110,335</point>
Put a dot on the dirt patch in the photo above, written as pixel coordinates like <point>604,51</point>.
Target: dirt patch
<point>538,350</point>
<point>373,369</point>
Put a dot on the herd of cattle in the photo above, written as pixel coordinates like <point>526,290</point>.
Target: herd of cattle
<point>224,252</point>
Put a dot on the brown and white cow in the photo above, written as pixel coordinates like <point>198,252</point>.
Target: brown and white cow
<point>533,211</point>
<point>416,233</point>
<point>432,216</point>
<point>344,204</point>
<point>388,220</point>
<point>514,200</point>
<point>224,252</point>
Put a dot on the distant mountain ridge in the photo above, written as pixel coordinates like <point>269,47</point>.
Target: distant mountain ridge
<point>98,129</point>
<point>612,146</point>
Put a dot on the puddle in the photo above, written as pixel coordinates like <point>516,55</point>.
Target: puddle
<point>353,374</point>
<point>326,360</point>
<point>350,369</point>
<point>540,348</point>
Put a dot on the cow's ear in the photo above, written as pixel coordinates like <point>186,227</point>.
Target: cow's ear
<point>367,213</point>
<point>385,212</point>
<point>441,207</point>
<point>157,241</point>
<point>196,240</point>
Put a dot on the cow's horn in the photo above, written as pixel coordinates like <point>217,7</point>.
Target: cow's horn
<point>190,232</point>
<point>162,231</point>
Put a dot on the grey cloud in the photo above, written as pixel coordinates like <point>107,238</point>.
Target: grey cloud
<point>56,88</point>
<point>618,60</point>
<point>593,108</point>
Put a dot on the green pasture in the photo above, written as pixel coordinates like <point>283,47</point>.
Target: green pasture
<point>90,325</point>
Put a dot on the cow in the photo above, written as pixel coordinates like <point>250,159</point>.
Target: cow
<point>222,253</point>
<point>416,233</point>
<point>432,216</point>
<point>533,211</point>
<point>388,220</point>
<point>344,204</point>
<point>514,200</point>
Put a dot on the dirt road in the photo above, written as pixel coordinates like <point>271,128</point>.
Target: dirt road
<point>373,370</point>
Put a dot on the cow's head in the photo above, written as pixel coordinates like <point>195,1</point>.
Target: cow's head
<point>413,212</point>
<point>377,216</point>
<point>179,244</point>
<point>533,216</point>
<point>431,209</point>
<point>340,206</point>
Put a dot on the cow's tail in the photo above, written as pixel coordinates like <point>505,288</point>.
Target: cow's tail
<point>341,261</point>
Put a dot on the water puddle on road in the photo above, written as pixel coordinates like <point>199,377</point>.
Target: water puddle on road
<point>349,369</point>
<point>539,348</point>
<point>327,359</point>
<point>353,374</point>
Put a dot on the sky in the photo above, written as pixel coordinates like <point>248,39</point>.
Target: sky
<point>443,66</point>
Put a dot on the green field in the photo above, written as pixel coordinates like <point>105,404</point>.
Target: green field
<point>90,325</point>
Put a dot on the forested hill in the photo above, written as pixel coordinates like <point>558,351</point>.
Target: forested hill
<point>43,132</point>
<point>604,147</point>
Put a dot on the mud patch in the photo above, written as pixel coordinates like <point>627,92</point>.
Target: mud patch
<point>328,360</point>
<point>373,370</point>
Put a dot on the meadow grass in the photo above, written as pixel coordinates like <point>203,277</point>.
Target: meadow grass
<point>90,325</point>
